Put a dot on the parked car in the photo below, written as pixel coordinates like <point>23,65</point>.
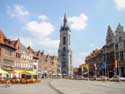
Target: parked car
<point>122,78</point>
<point>117,78</point>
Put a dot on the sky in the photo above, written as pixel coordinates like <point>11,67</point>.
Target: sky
<point>37,23</point>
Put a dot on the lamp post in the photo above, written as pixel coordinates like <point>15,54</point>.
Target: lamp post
<point>115,69</point>
<point>119,65</point>
<point>88,72</point>
<point>105,65</point>
<point>82,70</point>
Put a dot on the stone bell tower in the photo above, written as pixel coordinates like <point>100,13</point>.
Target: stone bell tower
<point>64,51</point>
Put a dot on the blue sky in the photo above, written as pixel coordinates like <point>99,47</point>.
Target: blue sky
<point>37,23</point>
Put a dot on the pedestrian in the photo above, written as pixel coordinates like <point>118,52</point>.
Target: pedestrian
<point>7,81</point>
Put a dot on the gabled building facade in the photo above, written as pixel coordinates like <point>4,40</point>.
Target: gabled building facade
<point>7,53</point>
<point>14,56</point>
<point>113,50</point>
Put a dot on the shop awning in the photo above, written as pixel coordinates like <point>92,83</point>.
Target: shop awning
<point>28,72</point>
<point>3,71</point>
<point>15,71</point>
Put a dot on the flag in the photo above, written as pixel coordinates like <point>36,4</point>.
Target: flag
<point>87,66</point>
<point>95,66</point>
<point>122,63</point>
<point>116,64</point>
<point>103,66</point>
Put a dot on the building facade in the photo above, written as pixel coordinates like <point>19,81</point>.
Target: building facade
<point>95,58</point>
<point>15,57</point>
<point>7,53</point>
<point>113,51</point>
<point>24,58</point>
<point>64,51</point>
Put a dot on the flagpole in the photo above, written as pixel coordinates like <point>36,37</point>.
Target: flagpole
<point>95,69</point>
<point>105,65</point>
<point>82,71</point>
<point>115,69</point>
<point>119,65</point>
<point>88,72</point>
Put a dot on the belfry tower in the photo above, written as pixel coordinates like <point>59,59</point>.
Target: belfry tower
<point>64,51</point>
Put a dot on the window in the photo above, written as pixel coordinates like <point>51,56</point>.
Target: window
<point>121,55</point>
<point>64,49</point>
<point>18,55</point>
<point>69,39</point>
<point>64,40</point>
<point>120,39</point>
<point>52,62</point>
<point>116,47</point>
<point>8,52</point>
<point>35,67</point>
<point>124,43</point>
<point>46,60</point>
<point>63,54</point>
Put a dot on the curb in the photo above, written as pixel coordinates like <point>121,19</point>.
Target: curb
<point>54,88</point>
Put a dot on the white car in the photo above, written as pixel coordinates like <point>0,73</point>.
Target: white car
<point>122,78</point>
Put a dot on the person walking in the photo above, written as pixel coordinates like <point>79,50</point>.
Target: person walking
<point>7,81</point>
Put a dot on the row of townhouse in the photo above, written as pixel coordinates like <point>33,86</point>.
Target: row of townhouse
<point>15,56</point>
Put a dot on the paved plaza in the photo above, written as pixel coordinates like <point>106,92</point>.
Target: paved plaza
<point>89,87</point>
<point>36,88</point>
<point>63,86</point>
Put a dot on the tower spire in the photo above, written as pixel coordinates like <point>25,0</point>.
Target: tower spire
<point>65,51</point>
<point>65,20</point>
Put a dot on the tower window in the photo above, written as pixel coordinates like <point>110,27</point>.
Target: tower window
<point>69,39</point>
<point>64,40</point>
<point>124,43</point>
<point>64,49</point>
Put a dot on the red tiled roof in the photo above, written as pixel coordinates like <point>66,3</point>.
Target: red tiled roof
<point>1,33</point>
<point>31,50</point>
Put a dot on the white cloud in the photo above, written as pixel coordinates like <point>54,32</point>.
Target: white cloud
<point>120,4</point>
<point>43,17</point>
<point>49,43</point>
<point>19,12</point>
<point>78,22</point>
<point>37,42</point>
<point>27,41</point>
<point>40,28</point>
